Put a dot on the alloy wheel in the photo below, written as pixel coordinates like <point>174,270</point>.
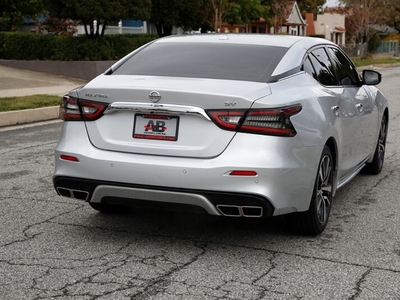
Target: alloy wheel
<point>324,190</point>
<point>382,141</point>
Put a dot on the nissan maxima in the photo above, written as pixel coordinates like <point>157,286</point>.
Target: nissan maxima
<point>232,125</point>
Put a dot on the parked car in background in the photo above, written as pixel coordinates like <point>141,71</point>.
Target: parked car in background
<point>231,125</point>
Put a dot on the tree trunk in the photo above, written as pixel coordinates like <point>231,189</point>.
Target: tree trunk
<point>163,29</point>
<point>103,29</point>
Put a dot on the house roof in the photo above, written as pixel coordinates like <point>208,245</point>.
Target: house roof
<point>384,29</point>
<point>340,29</point>
<point>293,15</point>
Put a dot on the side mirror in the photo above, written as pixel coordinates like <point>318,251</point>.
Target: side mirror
<point>371,77</point>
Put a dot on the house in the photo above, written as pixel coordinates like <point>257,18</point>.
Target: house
<point>331,25</point>
<point>290,21</point>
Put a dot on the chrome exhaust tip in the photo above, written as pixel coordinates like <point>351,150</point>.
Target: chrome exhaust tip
<point>229,210</point>
<point>64,192</point>
<point>80,195</point>
<point>75,194</point>
<point>241,211</point>
<point>252,211</point>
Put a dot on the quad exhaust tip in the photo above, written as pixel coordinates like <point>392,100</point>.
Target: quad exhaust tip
<point>240,211</point>
<point>76,194</point>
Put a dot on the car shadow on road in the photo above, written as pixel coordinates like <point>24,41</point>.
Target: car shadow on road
<point>189,225</point>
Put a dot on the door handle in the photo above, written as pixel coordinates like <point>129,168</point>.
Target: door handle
<point>359,106</point>
<point>335,109</point>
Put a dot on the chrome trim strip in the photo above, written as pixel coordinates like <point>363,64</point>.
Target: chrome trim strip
<point>172,109</point>
<point>154,195</point>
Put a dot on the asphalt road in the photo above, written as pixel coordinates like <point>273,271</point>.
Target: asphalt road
<point>57,248</point>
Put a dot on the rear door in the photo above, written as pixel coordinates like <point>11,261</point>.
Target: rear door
<point>367,118</point>
<point>340,107</point>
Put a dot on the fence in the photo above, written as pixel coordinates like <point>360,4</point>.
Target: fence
<point>355,50</point>
<point>388,47</point>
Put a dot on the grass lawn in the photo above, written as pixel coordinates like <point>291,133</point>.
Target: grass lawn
<point>370,61</point>
<point>26,102</point>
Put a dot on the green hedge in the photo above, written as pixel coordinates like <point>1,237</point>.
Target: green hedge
<point>28,46</point>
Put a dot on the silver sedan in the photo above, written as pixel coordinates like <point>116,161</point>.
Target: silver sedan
<point>231,125</point>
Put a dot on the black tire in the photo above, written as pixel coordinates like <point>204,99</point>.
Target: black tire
<point>314,221</point>
<point>109,208</point>
<point>375,167</point>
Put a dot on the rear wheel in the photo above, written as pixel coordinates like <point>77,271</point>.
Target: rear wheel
<point>314,221</point>
<point>375,167</point>
<point>109,208</point>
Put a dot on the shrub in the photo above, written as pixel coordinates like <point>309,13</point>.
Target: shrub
<point>374,43</point>
<point>28,46</point>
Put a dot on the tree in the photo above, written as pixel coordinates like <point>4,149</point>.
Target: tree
<point>234,11</point>
<point>361,14</point>
<point>95,15</point>
<point>280,10</point>
<point>179,13</point>
<point>244,11</point>
<point>57,26</point>
<point>310,6</point>
<point>390,14</point>
<point>13,11</point>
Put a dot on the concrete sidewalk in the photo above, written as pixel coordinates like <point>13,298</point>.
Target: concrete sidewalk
<point>18,82</point>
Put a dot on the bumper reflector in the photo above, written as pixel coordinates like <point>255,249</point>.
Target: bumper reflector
<point>69,158</point>
<point>243,173</point>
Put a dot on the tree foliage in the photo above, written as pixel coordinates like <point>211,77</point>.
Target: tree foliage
<point>179,13</point>
<point>244,11</point>
<point>310,6</point>
<point>95,15</point>
<point>13,11</point>
<point>360,15</point>
<point>52,25</point>
<point>234,11</point>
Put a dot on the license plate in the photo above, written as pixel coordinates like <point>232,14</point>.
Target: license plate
<point>156,127</point>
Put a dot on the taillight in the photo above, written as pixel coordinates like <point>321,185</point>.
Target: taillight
<point>72,109</point>
<point>274,121</point>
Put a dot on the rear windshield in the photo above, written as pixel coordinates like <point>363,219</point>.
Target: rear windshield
<point>205,60</point>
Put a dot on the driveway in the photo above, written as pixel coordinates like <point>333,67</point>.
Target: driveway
<point>18,82</point>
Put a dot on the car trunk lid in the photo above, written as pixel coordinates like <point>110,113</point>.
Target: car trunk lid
<point>165,116</point>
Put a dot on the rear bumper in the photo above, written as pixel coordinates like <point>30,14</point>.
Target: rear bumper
<point>213,203</point>
<point>284,183</point>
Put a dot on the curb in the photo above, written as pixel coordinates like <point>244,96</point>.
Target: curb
<point>17,117</point>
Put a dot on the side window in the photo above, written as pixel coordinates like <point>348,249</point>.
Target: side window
<point>323,67</point>
<point>345,71</point>
<point>309,69</point>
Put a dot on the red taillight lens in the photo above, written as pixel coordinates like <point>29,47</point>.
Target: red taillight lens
<point>69,158</point>
<point>69,109</point>
<point>72,109</point>
<point>274,121</point>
